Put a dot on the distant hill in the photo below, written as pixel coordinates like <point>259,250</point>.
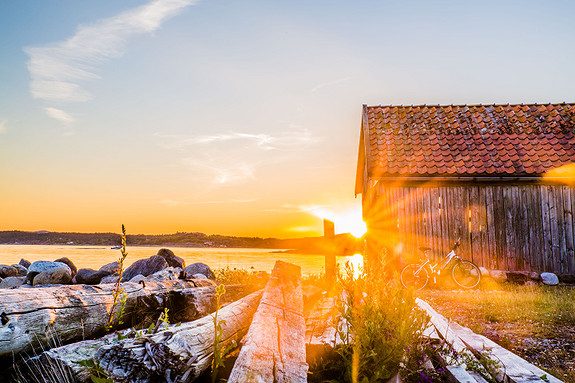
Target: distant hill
<point>343,244</point>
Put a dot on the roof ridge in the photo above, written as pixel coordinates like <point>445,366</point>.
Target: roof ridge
<point>468,105</point>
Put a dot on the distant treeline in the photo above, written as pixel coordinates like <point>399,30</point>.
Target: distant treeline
<point>343,244</point>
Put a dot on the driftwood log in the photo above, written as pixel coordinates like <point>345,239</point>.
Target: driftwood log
<point>31,316</point>
<point>183,351</point>
<point>462,339</point>
<point>185,304</point>
<point>274,348</point>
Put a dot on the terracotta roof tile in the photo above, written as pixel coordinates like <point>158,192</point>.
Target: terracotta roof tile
<point>526,139</point>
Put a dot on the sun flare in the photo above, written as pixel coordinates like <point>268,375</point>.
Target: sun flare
<point>348,220</point>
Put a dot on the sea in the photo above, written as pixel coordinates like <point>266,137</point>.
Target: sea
<point>95,256</point>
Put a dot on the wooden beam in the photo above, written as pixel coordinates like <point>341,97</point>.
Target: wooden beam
<point>31,316</point>
<point>274,348</point>
<point>185,350</point>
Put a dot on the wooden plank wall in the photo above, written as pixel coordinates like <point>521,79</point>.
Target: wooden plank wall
<point>505,227</point>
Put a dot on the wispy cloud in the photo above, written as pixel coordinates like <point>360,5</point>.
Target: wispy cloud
<point>283,141</point>
<point>59,115</point>
<point>328,84</point>
<point>234,157</point>
<point>57,70</point>
<point>176,203</point>
<point>2,126</point>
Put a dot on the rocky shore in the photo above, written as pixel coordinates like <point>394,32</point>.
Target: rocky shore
<point>163,266</point>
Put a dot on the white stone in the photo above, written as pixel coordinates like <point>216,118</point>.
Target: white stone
<point>549,279</point>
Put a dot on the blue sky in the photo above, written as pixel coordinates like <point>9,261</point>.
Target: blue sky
<point>239,117</point>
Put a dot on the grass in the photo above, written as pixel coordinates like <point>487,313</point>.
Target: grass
<point>535,322</point>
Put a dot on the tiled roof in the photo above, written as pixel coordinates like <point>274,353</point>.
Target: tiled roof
<point>483,140</point>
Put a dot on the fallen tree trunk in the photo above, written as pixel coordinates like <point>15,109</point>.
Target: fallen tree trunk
<point>30,317</point>
<point>514,368</point>
<point>185,351</point>
<point>186,304</point>
<point>274,348</point>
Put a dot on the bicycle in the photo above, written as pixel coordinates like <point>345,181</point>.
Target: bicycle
<point>464,273</point>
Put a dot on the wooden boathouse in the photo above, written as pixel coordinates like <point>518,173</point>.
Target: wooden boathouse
<point>501,177</point>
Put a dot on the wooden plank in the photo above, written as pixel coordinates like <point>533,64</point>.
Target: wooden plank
<point>70,311</point>
<point>536,230</point>
<point>522,238</point>
<point>547,239</point>
<point>321,336</point>
<point>555,262</point>
<point>490,228</point>
<point>568,203</point>
<point>568,224</point>
<point>183,351</point>
<point>435,224</point>
<point>475,225</point>
<point>509,228</point>
<point>462,339</point>
<point>561,229</point>
<point>274,348</point>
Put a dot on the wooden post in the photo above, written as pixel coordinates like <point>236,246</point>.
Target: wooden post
<point>329,235</point>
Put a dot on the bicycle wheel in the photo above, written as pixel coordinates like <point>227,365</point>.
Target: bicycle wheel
<point>466,274</point>
<point>414,276</point>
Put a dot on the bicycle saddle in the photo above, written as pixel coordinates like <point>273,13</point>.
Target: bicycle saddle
<point>425,249</point>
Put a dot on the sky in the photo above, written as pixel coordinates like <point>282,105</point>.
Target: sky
<point>239,117</point>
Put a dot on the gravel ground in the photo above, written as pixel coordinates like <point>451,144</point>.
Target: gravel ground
<point>547,343</point>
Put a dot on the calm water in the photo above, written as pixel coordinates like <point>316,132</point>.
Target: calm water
<point>96,256</point>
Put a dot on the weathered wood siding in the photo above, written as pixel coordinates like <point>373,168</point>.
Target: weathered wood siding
<point>505,227</point>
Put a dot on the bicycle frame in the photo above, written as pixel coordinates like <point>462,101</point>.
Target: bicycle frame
<point>442,264</point>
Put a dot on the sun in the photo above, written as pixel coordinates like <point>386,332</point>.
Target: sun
<point>346,220</point>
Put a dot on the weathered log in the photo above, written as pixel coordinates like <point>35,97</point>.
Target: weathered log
<point>30,315</point>
<point>274,348</point>
<point>184,351</point>
<point>197,302</point>
<point>462,339</point>
<point>321,335</point>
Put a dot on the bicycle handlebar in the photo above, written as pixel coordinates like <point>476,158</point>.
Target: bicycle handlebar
<point>457,244</point>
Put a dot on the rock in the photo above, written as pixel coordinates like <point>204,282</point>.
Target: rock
<point>110,279</point>
<point>534,276</point>
<point>71,265</point>
<point>111,268</point>
<point>59,274</point>
<point>12,282</point>
<point>24,262</point>
<point>145,267</point>
<point>8,271</point>
<point>22,271</point>
<point>90,276</point>
<point>168,274</point>
<point>138,278</point>
<point>484,271</point>
<point>199,276</point>
<point>549,279</point>
<point>517,277</point>
<point>199,268</point>
<point>498,276</point>
<point>171,258</point>
<point>567,278</point>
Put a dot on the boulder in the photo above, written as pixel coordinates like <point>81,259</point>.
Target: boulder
<point>110,279</point>
<point>199,268</point>
<point>498,276</point>
<point>111,268</point>
<point>199,276</point>
<point>24,262</point>
<point>40,267</point>
<point>567,278</point>
<point>22,271</point>
<point>145,267</point>
<point>8,271</point>
<point>171,258</point>
<point>90,276</point>
<point>484,271</point>
<point>549,279</point>
<point>59,274</point>
<point>517,277</point>
<point>12,282</point>
<point>168,274</point>
<point>67,261</point>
